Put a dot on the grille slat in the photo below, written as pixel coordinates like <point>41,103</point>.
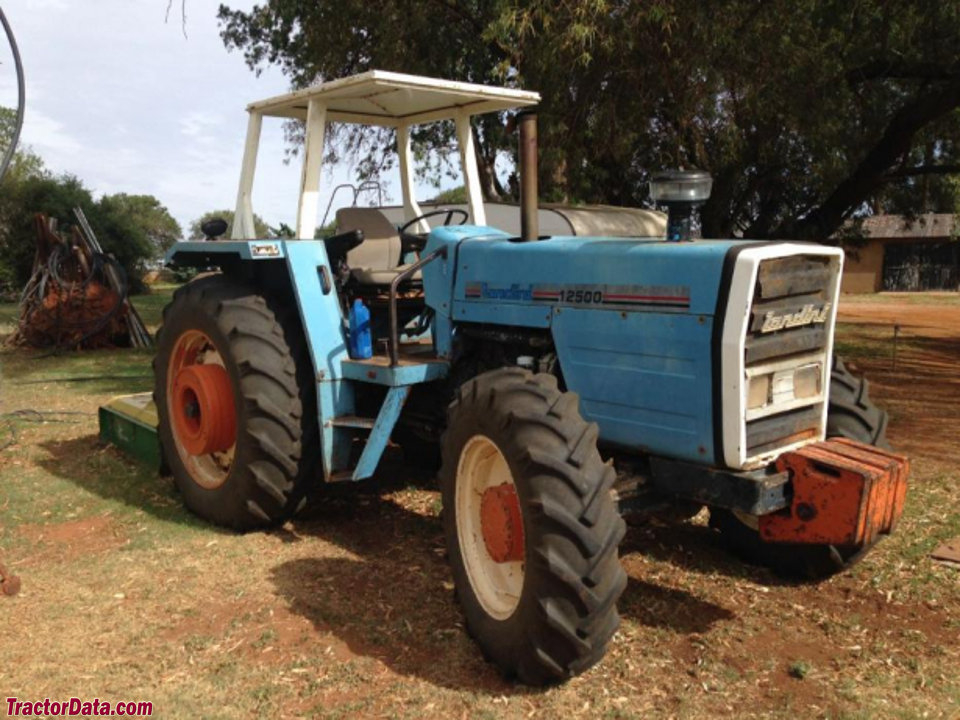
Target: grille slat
<point>802,340</point>
<point>769,432</point>
<point>783,277</point>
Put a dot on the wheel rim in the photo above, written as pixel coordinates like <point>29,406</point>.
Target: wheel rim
<point>201,409</point>
<point>490,527</point>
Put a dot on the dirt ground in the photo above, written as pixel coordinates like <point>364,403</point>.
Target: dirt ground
<point>348,611</point>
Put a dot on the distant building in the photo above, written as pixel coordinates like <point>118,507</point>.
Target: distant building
<point>901,254</point>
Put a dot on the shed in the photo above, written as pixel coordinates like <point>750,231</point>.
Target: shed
<point>905,254</point>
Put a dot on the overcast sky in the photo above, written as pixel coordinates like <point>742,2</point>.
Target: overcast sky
<point>128,104</point>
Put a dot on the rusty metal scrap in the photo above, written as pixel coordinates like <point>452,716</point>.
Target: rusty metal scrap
<point>9,583</point>
<point>77,295</point>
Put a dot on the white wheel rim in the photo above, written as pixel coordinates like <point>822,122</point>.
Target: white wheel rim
<point>496,585</point>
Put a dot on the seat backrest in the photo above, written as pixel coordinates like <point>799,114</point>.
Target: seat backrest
<point>380,249</point>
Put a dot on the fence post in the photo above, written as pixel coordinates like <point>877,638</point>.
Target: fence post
<point>896,338</point>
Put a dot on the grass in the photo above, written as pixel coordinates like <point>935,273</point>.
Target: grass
<point>349,611</point>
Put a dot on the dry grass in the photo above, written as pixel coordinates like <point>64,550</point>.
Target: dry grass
<point>349,611</point>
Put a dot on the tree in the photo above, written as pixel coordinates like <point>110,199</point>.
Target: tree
<point>262,229</point>
<point>807,112</point>
<point>454,196</point>
<point>134,228</point>
<point>20,198</point>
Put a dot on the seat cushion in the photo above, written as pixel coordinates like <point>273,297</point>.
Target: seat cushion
<point>380,249</point>
<point>368,276</point>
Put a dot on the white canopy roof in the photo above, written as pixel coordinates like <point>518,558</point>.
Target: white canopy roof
<point>393,99</point>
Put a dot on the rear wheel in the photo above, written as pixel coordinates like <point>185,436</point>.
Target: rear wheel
<point>531,527</point>
<point>235,402</point>
<point>852,415</point>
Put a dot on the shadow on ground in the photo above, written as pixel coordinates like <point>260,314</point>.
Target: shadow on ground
<point>394,601</point>
<point>104,471</point>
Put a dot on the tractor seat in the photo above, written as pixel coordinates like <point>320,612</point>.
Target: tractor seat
<point>375,261</point>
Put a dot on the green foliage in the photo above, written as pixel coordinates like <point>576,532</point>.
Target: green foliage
<point>135,228</point>
<point>262,229</point>
<point>20,198</point>
<point>453,196</point>
<point>807,112</point>
<point>183,274</point>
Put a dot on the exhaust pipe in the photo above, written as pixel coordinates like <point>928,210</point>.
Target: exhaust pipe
<point>529,213</point>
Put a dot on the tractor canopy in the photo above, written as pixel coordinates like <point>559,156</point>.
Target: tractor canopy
<point>375,98</point>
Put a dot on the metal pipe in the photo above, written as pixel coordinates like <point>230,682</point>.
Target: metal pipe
<point>21,96</point>
<point>529,213</point>
<point>393,343</point>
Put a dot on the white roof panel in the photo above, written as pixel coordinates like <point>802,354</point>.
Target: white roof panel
<point>389,99</point>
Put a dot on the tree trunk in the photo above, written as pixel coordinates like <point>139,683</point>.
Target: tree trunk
<point>822,222</point>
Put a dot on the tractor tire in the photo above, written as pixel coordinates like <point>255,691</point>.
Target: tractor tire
<point>534,558</point>
<point>270,402</point>
<point>852,415</point>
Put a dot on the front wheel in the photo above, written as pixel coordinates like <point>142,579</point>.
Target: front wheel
<point>531,527</point>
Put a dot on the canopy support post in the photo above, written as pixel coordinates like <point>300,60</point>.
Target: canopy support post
<point>411,208</point>
<point>312,161</point>
<point>243,228</point>
<point>471,175</point>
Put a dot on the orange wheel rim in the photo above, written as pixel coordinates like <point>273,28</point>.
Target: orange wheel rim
<point>201,408</point>
<point>204,416</point>
<point>502,523</point>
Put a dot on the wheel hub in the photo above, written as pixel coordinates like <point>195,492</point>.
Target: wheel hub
<point>502,523</point>
<point>203,410</point>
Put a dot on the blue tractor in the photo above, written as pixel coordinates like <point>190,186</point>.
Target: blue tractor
<point>557,382</point>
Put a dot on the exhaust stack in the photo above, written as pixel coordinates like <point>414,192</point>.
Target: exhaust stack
<point>529,213</point>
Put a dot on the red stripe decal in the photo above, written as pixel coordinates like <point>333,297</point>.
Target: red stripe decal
<point>648,298</point>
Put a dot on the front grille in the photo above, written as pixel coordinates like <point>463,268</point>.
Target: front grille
<point>774,345</point>
<point>788,320</point>
<point>788,287</point>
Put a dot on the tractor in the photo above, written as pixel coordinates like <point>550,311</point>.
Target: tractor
<point>558,384</point>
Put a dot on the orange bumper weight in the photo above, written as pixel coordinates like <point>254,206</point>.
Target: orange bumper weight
<point>844,493</point>
<point>203,410</point>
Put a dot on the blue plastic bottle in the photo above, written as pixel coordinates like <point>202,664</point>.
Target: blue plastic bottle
<point>361,342</point>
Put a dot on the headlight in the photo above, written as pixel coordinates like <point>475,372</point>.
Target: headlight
<point>758,392</point>
<point>675,186</point>
<point>784,386</point>
<point>806,381</point>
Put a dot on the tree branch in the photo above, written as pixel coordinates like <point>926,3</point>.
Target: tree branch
<point>923,170</point>
<point>897,69</point>
<point>895,142</point>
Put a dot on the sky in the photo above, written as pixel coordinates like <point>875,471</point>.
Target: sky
<point>121,99</point>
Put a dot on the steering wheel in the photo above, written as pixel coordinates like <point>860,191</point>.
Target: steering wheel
<point>415,242</point>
